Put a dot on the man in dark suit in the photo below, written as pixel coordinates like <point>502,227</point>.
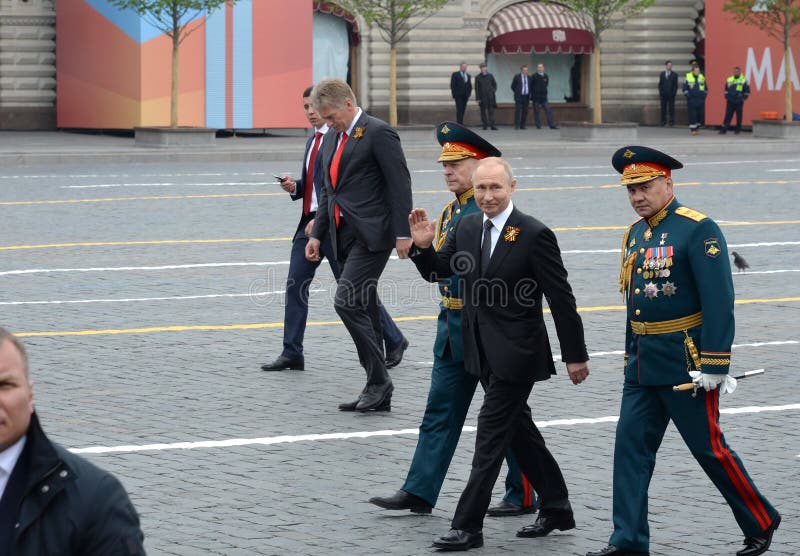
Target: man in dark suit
<point>485,89</point>
<point>301,270</point>
<point>364,209</point>
<point>521,85</point>
<point>507,261</point>
<point>667,89</point>
<point>539,84</point>
<point>461,88</point>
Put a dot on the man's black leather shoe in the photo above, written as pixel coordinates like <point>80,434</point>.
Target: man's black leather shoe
<point>351,406</point>
<point>456,539</point>
<point>402,500</point>
<point>759,545</point>
<point>506,508</point>
<point>374,396</point>
<point>284,364</point>
<point>394,357</point>
<point>612,550</point>
<point>545,524</point>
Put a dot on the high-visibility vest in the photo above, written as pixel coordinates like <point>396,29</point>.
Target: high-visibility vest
<point>740,82</point>
<point>701,81</point>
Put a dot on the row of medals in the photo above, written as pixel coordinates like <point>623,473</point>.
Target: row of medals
<point>656,268</point>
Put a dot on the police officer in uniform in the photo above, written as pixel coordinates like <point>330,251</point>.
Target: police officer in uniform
<point>736,92</point>
<point>676,278</point>
<point>696,91</point>
<point>452,387</point>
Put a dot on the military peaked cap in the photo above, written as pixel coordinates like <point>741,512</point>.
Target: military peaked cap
<point>642,164</point>
<point>459,142</point>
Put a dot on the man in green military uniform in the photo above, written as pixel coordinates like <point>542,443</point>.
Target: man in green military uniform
<point>452,387</point>
<point>676,279</point>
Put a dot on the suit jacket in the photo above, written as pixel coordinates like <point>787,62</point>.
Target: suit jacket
<point>458,87</point>
<point>300,185</point>
<point>374,185</point>
<point>485,87</point>
<point>516,86</point>
<point>539,86</point>
<point>503,309</point>
<point>668,88</point>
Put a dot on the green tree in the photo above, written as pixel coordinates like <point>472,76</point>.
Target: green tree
<point>174,18</point>
<point>777,18</point>
<point>392,18</point>
<point>599,15</point>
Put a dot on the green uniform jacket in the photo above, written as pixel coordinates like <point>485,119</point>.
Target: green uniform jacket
<point>674,265</point>
<point>449,342</point>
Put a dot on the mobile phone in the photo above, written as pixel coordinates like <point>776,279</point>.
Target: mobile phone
<point>279,178</point>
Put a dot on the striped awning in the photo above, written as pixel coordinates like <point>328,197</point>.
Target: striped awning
<point>536,27</point>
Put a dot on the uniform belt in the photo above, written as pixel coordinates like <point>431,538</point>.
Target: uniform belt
<point>667,326</point>
<point>452,302</point>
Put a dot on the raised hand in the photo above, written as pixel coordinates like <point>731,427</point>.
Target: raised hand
<point>422,230</point>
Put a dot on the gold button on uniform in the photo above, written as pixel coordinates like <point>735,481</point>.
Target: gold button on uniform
<point>445,288</point>
<point>638,312</point>
<point>641,250</point>
<point>637,290</point>
<point>639,270</point>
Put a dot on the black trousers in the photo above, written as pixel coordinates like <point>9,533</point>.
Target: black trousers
<point>505,422</point>
<point>461,106</point>
<point>487,114</point>
<point>732,108</point>
<point>356,300</point>
<point>668,106</point>
<point>521,103</point>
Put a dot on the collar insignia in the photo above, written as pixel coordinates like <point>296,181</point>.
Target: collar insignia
<point>358,133</point>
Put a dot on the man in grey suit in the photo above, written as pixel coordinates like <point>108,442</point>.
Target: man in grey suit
<point>366,198</point>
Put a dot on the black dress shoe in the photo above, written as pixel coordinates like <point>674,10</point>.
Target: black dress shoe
<point>612,550</point>
<point>375,396</point>
<point>456,539</point>
<point>494,128</point>
<point>351,406</point>
<point>545,524</point>
<point>394,357</point>
<point>759,545</point>
<point>284,363</point>
<point>553,127</point>
<point>506,508</point>
<point>402,500</point>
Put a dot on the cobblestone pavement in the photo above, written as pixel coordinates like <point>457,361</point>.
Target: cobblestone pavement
<point>150,293</point>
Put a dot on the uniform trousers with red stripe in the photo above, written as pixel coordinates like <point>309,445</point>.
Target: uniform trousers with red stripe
<point>644,416</point>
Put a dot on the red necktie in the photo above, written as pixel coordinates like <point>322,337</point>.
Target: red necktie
<point>310,174</point>
<point>335,174</point>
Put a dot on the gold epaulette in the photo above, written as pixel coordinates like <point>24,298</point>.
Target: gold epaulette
<point>691,214</point>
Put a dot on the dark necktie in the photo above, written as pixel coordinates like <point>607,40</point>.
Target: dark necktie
<point>486,246</point>
<point>310,174</point>
<point>524,84</point>
<point>335,175</point>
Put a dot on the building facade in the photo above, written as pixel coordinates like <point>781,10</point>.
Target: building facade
<point>633,52</point>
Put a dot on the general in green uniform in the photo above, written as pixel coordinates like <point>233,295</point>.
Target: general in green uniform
<point>676,278</point>
<point>452,387</point>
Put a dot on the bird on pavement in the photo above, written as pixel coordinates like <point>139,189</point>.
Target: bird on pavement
<point>739,261</point>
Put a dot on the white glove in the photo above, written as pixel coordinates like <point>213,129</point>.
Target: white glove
<point>726,383</point>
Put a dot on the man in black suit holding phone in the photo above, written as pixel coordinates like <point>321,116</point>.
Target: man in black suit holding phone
<point>364,209</point>
<point>508,261</point>
<point>302,271</point>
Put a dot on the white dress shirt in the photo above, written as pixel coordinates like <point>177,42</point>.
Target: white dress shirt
<point>8,459</point>
<point>498,223</point>
<point>322,130</point>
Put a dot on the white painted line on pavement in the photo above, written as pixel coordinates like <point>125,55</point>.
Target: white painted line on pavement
<point>287,439</point>
<point>166,184</point>
<point>557,356</point>
<point>138,299</point>
<point>129,268</point>
<point>156,175</point>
